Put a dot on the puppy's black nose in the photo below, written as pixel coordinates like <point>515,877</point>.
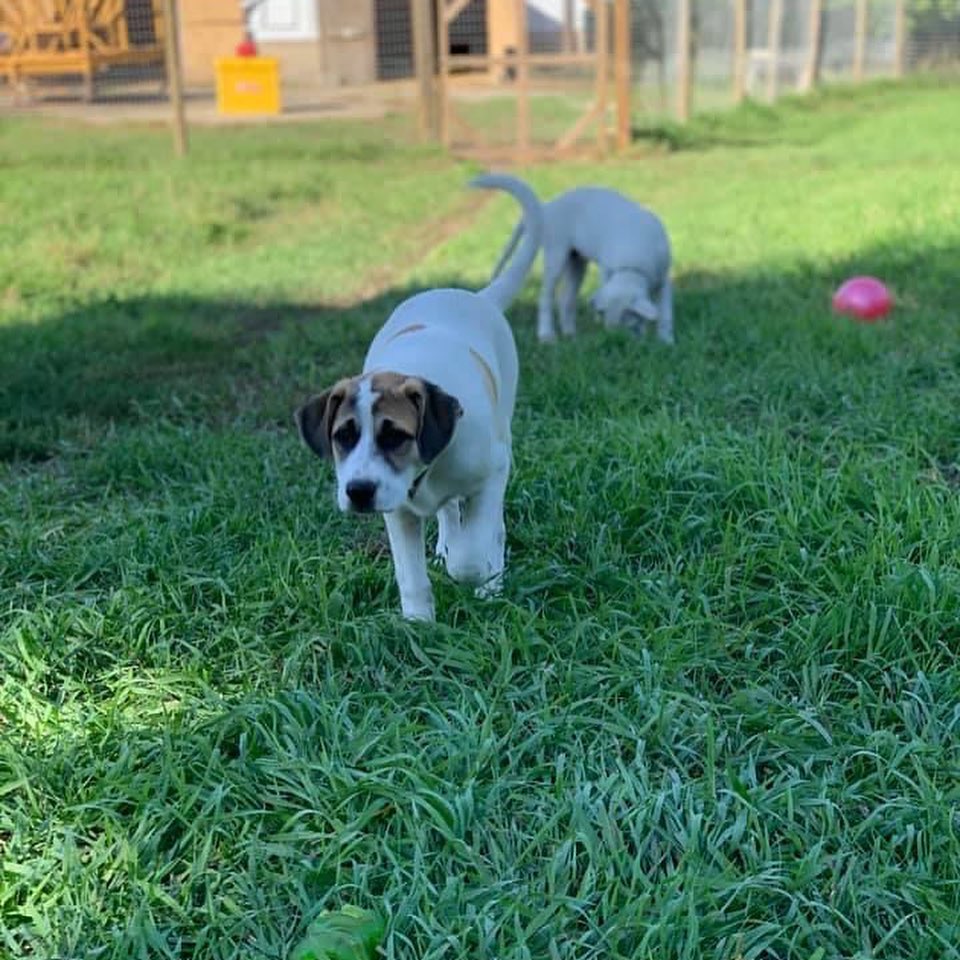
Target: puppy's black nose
<point>361,494</point>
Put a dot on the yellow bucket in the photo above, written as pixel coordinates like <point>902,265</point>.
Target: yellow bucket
<point>247,85</point>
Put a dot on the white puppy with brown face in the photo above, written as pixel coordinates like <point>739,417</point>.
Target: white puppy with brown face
<point>424,430</point>
<point>627,242</point>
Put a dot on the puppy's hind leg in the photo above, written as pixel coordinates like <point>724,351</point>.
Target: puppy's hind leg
<point>405,531</point>
<point>665,312</point>
<point>574,270</point>
<point>554,259</point>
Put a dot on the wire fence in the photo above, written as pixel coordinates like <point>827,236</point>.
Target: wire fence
<point>522,75</point>
<point>68,50</point>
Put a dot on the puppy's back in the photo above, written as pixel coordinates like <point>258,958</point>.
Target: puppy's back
<point>605,226</point>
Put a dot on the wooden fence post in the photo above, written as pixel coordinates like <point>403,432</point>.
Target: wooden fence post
<point>523,82</point>
<point>859,40</point>
<point>739,50</point>
<point>424,59</point>
<point>175,76</point>
<point>774,30</point>
<point>601,21</point>
<point>569,44</point>
<point>900,39</point>
<point>443,73</point>
<point>811,73</point>
<point>621,46</point>
<point>684,62</point>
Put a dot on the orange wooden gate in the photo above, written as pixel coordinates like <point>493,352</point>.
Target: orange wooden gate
<point>508,88</point>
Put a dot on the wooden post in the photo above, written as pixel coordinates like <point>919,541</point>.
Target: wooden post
<point>739,50</point>
<point>523,83</point>
<point>774,29</point>
<point>86,47</point>
<point>569,40</point>
<point>811,73</point>
<point>900,39</point>
<point>859,40</point>
<point>621,46</point>
<point>443,73</point>
<point>175,76</point>
<point>684,63</point>
<point>602,40</point>
<point>424,59</point>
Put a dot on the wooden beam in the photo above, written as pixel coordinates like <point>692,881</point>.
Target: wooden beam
<point>472,134</point>
<point>175,76</point>
<point>482,61</point>
<point>523,83</point>
<point>811,72</point>
<point>602,39</point>
<point>900,39</point>
<point>621,66</point>
<point>569,43</point>
<point>443,74</point>
<point>739,50</point>
<point>684,62</point>
<point>453,8</point>
<point>859,40</point>
<point>572,135</point>
<point>774,31</point>
<point>424,61</point>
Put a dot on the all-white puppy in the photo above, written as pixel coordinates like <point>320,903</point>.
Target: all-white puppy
<point>424,430</point>
<point>628,243</point>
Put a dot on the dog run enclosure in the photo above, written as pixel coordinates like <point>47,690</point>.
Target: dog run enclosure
<point>519,81</point>
<point>498,80</point>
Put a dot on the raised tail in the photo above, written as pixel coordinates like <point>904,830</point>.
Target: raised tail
<point>505,286</point>
<point>507,251</point>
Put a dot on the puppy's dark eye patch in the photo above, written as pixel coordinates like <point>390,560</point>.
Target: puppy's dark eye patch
<point>391,437</point>
<point>346,435</point>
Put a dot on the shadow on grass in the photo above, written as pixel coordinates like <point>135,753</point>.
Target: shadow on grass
<point>63,381</point>
<point>118,360</point>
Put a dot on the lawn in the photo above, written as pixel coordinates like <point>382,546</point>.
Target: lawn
<point>715,712</point>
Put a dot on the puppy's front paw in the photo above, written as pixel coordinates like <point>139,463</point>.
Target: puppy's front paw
<point>418,607</point>
<point>492,588</point>
<point>420,614</point>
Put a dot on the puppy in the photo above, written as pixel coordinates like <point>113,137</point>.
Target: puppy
<point>424,430</point>
<point>627,242</point>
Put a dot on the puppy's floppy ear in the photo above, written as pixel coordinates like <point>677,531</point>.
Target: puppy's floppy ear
<point>315,420</point>
<point>438,413</point>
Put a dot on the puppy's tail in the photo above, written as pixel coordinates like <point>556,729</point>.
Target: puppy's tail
<point>505,286</point>
<point>509,248</point>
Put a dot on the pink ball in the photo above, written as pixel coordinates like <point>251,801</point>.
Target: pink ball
<point>864,298</point>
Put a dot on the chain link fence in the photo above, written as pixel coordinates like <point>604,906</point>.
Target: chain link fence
<point>498,73</point>
<point>787,46</point>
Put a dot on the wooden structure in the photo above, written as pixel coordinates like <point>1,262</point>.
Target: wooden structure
<point>77,38</point>
<point>510,66</point>
<point>684,60</point>
<point>811,72</point>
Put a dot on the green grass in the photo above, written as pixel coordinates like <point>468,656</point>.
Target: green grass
<point>714,713</point>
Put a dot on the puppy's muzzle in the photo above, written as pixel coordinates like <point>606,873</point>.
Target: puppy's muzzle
<point>361,494</point>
